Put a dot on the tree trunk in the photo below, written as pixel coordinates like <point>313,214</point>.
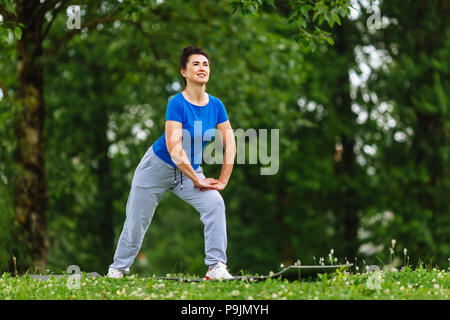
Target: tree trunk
<point>30,199</point>
<point>284,245</point>
<point>345,168</point>
<point>104,226</point>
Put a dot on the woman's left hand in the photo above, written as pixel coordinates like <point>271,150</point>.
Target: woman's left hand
<point>214,184</point>
<point>218,185</point>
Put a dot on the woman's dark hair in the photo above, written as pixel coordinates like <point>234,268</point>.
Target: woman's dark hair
<point>188,51</point>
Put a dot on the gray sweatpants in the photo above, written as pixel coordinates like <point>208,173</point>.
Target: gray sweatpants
<point>151,179</point>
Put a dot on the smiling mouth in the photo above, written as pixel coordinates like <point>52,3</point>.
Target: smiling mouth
<point>201,74</point>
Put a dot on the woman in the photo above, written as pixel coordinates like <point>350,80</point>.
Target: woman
<point>170,157</point>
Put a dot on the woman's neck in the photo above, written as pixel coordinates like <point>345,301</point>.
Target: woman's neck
<point>196,94</point>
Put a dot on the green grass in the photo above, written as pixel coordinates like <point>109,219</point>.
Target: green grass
<point>407,284</point>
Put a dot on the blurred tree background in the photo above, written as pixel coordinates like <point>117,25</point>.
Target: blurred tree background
<point>358,90</point>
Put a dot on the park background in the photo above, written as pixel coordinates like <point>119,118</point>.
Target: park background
<point>359,91</point>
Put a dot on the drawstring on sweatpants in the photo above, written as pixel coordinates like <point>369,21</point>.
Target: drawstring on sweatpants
<point>175,182</point>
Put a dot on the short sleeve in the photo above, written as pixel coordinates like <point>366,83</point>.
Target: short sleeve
<point>221,112</point>
<point>174,111</point>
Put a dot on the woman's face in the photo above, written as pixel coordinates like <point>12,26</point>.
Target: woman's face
<point>197,69</point>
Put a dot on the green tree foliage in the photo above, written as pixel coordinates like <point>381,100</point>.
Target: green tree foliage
<point>413,164</point>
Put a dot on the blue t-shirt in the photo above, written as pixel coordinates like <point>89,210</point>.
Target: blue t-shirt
<point>195,120</point>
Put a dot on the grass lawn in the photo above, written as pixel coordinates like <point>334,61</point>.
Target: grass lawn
<point>420,283</point>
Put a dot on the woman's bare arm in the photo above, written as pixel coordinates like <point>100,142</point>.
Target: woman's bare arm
<point>173,130</point>
<point>229,144</point>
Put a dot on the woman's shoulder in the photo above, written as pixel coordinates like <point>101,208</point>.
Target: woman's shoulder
<point>215,100</point>
<point>175,104</point>
<point>177,97</point>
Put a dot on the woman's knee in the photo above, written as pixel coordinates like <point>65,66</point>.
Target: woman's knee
<point>215,202</point>
<point>218,201</point>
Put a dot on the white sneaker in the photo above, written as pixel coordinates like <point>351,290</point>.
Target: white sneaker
<point>114,273</point>
<point>218,272</point>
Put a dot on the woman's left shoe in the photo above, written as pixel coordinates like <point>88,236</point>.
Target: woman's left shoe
<point>114,273</point>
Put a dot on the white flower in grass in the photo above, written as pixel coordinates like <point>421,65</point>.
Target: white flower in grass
<point>393,242</point>
<point>436,286</point>
<point>405,251</point>
<point>282,266</point>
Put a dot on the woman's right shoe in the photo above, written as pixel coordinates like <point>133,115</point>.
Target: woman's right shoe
<point>219,272</point>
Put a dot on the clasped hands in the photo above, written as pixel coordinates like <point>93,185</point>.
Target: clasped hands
<point>209,183</point>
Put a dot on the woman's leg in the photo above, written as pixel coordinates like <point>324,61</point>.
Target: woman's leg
<point>151,179</point>
<point>211,207</point>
